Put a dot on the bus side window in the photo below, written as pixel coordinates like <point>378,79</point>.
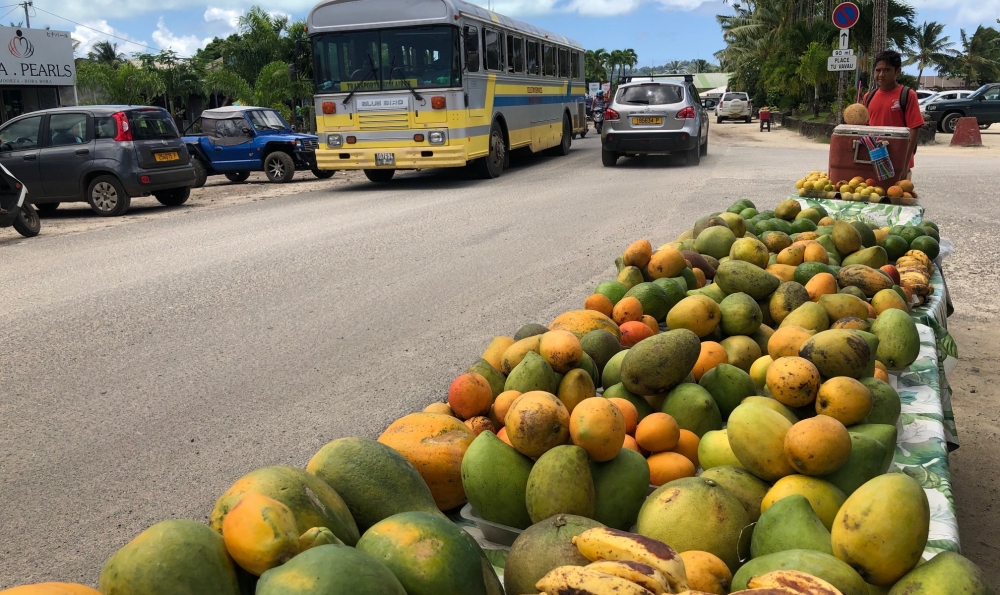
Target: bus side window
<point>563,63</point>
<point>534,60</point>
<point>515,54</point>
<point>491,43</point>
<point>549,58</point>
<point>471,49</point>
<point>576,65</point>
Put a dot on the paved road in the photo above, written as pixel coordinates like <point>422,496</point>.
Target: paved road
<point>146,367</point>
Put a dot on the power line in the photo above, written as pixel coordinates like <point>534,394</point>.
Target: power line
<point>125,39</point>
<point>16,6</point>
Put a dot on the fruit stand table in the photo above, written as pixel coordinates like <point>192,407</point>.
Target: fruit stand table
<point>882,214</point>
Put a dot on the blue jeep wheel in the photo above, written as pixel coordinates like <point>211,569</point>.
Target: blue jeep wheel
<point>279,167</point>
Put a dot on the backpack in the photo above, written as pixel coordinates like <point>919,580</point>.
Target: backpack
<point>904,96</point>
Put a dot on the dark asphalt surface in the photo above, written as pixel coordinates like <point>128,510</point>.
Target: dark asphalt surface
<point>147,367</point>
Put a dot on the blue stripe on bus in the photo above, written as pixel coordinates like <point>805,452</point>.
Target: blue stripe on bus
<point>512,100</point>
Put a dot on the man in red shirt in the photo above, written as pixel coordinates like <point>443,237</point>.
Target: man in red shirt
<point>884,106</point>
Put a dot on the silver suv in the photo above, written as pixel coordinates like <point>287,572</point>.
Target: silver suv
<point>654,114</point>
<point>734,106</point>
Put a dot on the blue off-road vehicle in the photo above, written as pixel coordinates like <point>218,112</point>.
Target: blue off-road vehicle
<point>236,140</point>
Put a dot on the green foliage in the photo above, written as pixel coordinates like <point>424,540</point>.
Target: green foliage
<point>127,84</point>
<point>979,60</point>
<point>930,48</point>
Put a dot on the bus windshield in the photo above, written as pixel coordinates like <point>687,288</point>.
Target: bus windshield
<point>388,59</point>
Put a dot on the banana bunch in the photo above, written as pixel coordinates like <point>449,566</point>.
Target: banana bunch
<point>637,552</point>
<point>789,582</point>
<point>582,580</point>
<point>915,270</point>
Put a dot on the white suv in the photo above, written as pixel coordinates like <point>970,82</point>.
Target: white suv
<point>734,106</point>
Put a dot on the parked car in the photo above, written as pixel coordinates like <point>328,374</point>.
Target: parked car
<point>984,105</point>
<point>103,155</point>
<point>734,106</point>
<point>236,140</point>
<point>945,96</point>
<point>709,103</point>
<point>654,115</point>
<point>924,94</point>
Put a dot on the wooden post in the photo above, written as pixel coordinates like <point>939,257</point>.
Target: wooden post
<point>840,98</point>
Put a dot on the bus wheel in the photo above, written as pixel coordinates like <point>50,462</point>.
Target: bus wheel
<point>491,166</point>
<point>567,137</point>
<point>380,176</point>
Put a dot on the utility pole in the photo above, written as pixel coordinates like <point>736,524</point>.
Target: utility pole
<point>27,17</point>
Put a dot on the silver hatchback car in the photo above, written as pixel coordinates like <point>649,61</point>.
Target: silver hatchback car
<point>655,115</point>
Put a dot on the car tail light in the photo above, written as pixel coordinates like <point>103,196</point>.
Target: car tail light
<point>439,102</point>
<point>611,115</point>
<point>144,179</point>
<point>686,113</point>
<point>124,132</point>
<point>329,107</point>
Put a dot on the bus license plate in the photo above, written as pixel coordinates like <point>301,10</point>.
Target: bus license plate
<point>656,121</point>
<point>171,156</point>
<point>385,159</point>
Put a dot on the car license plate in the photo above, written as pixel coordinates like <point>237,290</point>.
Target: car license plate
<point>385,159</point>
<point>171,156</point>
<point>647,120</point>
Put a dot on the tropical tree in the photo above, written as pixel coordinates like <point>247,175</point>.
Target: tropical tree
<point>128,84</point>
<point>979,59</point>
<point>595,65</point>
<point>812,70</point>
<point>105,52</point>
<point>182,79</point>
<point>701,66</point>
<point>262,39</point>
<point>675,67</point>
<point>615,60</point>
<point>930,48</point>
<point>629,59</point>
<point>273,87</point>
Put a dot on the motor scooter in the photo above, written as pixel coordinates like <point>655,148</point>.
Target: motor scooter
<point>13,208</point>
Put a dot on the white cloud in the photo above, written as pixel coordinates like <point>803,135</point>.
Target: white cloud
<point>229,16</point>
<point>185,45</point>
<point>526,8</point>
<point>602,7</point>
<point>959,12</point>
<point>100,30</point>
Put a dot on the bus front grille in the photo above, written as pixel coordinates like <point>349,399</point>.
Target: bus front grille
<point>384,121</point>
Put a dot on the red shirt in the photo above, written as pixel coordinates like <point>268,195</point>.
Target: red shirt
<point>884,110</point>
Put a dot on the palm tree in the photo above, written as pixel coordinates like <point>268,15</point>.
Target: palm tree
<point>272,87</point>
<point>126,85</point>
<point>105,52</point>
<point>615,60</point>
<point>595,61</point>
<point>930,47</point>
<point>630,58</point>
<point>701,66</point>
<point>675,67</point>
<point>812,70</point>
<point>979,59</point>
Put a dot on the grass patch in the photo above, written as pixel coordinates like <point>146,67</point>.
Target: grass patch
<point>809,117</point>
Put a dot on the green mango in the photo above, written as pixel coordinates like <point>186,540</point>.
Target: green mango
<point>789,524</point>
<point>866,462</point>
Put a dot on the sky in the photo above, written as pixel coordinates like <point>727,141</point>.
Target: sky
<point>658,30</point>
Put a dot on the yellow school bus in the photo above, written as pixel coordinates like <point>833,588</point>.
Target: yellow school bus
<point>415,84</point>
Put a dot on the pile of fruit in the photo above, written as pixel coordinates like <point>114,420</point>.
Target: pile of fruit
<point>716,419</point>
<point>858,189</point>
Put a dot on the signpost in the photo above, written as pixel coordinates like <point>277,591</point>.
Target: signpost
<point>845,16</point>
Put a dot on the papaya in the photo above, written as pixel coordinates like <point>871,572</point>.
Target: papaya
<point>789,296</point>
<point>260,533</point>
<point>693,513</point>
<point>435,445</point>
<point>947,572</point>
<point>757,435</point>
<point>560,483</point>
<point>837,353</point>
<point>818,564</point>
<point>870,281</point>
<point>330,570</point>
<point>660,362</point>
<point>737,276</point>
<point>714,450</point>
<point>543,547</point>
<point>175,556</point>
<point>50,589</point>
<point>313,502</point>
<point>898,339</point>
<point>620,487</point>
<point>536,422</point>
<point>316,537</point>
<point>581,322</point>
<point>495,479</point>
<point>881,530</point>
<point>429,554</point>
<point>748,488</point>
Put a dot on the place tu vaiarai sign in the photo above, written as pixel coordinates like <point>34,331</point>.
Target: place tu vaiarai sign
<point>36,57</point>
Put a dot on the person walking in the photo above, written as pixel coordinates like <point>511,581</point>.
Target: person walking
<point>892,104</point>
<point>598,109</point>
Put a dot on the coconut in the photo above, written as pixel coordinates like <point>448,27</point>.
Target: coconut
<point>856,114</point>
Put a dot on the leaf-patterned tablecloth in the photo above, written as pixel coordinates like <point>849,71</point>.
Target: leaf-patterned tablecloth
<point>881,214</point>
<point>922,446</point>
<point>934,314</point>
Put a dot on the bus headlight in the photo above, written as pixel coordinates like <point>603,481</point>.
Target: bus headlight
<point>335,140</point>
<point>435,137</point>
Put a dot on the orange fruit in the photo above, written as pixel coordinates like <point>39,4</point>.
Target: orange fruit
<point>700,276</point>
<point>502,434</point>
<point>894,192</point>
<point>633,332</point>
<point>687,445</point>
<point>665,467</point>
<point>657,432</point>
<point>712,354</point>
<point>906,186</point>
<point>651,323</point>
<point>881,375</point>
<point>480,424</point>
<point>598,426</point>
<point>793,381</point>
<point>628,309</point>
<point>706,572</point>
<point>817,445</point>
<point>638,254</point>
<point>441,408</point>
<point>631,444</point>
<point>502,403</point>
<point>470,395</point>
<point>599,303</point>
<point>630,412</point>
